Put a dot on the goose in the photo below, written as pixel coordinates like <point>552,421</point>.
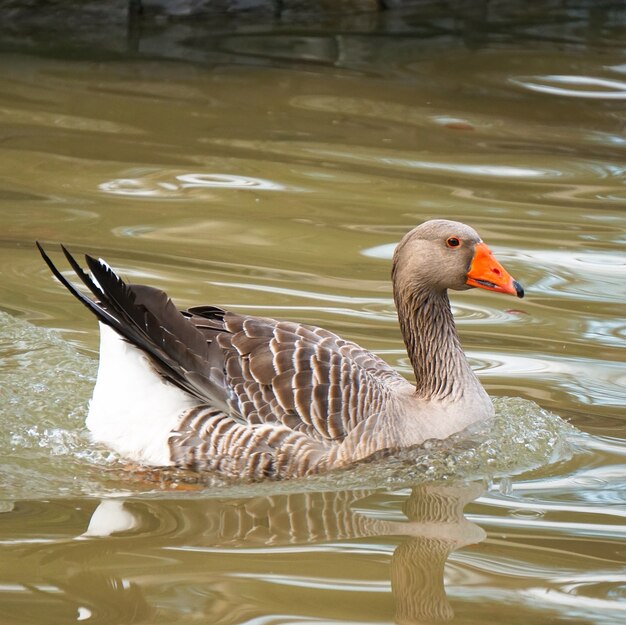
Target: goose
<point>249,397</point>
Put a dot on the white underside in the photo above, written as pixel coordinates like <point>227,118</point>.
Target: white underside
<point>133,410</point>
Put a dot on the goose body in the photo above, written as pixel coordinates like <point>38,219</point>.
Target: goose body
<point>211,389</point>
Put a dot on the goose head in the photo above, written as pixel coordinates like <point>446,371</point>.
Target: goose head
<point>441,254</point>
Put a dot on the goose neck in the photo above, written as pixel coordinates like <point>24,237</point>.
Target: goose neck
<point>427,325</point>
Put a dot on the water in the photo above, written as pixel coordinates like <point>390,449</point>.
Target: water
<point>270,167</point>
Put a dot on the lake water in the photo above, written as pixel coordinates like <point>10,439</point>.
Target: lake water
<point>271,166</point>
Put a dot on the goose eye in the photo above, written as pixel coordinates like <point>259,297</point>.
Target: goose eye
<point>453,242</point>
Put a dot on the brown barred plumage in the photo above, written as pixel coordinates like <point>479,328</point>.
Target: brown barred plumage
<point>287,406</point>
<point>281,399</point>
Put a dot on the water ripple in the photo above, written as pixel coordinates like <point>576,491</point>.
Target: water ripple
<point>574,86</point>
<point>163,185</point>
<point>593,382</point>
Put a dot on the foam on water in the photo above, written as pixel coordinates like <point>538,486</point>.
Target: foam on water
<point>46,452</point>
<point>45,387</point>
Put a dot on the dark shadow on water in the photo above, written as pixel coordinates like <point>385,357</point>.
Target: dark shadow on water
<point>270,33</point>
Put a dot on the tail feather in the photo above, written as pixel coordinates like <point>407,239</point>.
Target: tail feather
<point>115,294</point>
<point>147,318</point>
<point>97,310</point>
<point>79,271</point>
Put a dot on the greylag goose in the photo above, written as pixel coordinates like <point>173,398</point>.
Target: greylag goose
<point>214,390</point>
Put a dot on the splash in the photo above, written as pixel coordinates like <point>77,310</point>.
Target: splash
<point>522,436</point>
<point>46,451</point>
<point>43,398</point>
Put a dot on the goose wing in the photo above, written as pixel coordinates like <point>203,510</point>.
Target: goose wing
<point>254,370</point>
<point>300,376</point>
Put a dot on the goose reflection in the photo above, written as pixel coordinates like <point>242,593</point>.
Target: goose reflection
<point>434,527</point>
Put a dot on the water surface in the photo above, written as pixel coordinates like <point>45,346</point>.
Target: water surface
<point>271,167</point>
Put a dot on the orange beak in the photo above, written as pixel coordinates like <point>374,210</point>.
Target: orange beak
<point>487,273</point>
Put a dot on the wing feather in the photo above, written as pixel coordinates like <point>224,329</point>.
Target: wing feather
<point>273,393</point>
<point>303,377</point>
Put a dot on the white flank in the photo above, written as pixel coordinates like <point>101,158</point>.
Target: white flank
<point>133,410</point>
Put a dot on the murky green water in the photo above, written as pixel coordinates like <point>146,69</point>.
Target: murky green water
<point>271,168</point>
